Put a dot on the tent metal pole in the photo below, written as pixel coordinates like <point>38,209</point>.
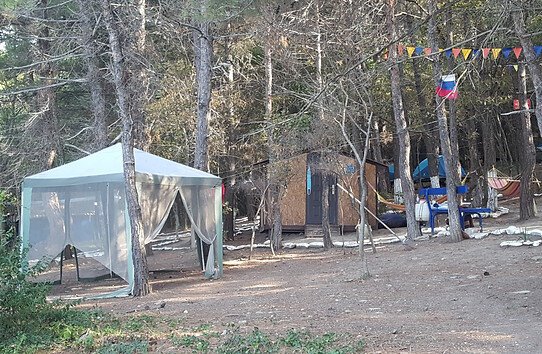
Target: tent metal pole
<point>108,227</point>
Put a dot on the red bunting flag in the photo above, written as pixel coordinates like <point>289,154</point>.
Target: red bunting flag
<point>427,51</point>
<point>485,52</point>
<point>456,52</point>
<point>400,50</point>
<point>517,52</point>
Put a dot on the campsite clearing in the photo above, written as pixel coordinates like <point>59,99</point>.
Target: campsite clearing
<point>473,296</point>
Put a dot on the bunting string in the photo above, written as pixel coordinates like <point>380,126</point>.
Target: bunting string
<point>466,53</point>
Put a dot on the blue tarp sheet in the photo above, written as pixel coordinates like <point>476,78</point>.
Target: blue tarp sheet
<point>422,170</point>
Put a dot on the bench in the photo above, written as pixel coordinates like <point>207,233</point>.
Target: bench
<point>435,209</point>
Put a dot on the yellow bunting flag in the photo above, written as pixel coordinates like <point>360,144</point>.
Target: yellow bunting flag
<point>466,52</point>
<point>496,52</point>
<point>456,51</point>
<point>515,67</point>
<point>410,51</point>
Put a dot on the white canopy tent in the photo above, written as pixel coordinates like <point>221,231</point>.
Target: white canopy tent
<point>83,204</point>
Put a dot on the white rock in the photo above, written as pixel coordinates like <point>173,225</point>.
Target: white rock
<point>512,230</point>
<point>480,235</point>
<point>535,232</point>
<point>317,244</point>
<point>511,243</point>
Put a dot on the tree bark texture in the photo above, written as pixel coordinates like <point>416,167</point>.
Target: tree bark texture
<point>141,276</point>
<point>527,207</point>
<point>431,145</point>
<point>91,52</point>
<point>413,230</point>
<point>203,49</point>
<point>383,174</point>
<point>326,228</point>
<point>532,62</point>
<point>275,189</point>
<point>48,151</point>
<point>445,143</point>
<point>452,105</point>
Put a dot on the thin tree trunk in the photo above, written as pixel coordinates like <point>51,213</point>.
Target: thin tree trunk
<point>322,159</point>
<point>413,230</point>
<point>383,174</point>
<point>527,207</point>
<point>361,159</point>
<point>141,284</point>
<point>275,190</point>
<point>453,207</point>
<point>203,49</point>
<point>452,116</point>
<point>95,80</point>
<point>431,145</point>
<point>45,127</point>
<point>532,62</point>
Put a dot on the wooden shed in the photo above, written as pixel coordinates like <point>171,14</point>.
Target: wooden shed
<point>301,202</point>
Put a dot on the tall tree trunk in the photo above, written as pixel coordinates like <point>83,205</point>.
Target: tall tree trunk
<point>445,143</point>
<point>532,63</point>
<point>475,165</point>
<point>91,51</point>
<point>383,174</point>
<point>452,126</point>
<point>230,137</point>
<point>203,49</point>
<point>326,228</point>
<point>121,71</point>
<point>275,189</point>
<point>431,145</point>
<point>527,208</point>
<point>407,184</point>
<point>48,151</point>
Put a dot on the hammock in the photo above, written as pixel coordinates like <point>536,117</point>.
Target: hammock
<point>507,186</point>
<point>401,207</point>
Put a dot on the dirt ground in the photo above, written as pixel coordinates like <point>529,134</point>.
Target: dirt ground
<point>473,296</point>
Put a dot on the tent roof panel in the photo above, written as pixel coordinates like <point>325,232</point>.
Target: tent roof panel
<point>106,165</point>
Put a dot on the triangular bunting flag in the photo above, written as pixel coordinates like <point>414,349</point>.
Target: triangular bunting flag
<point>466,52</point>
<point>538,50</point>
<point>506,52</point>
<point>496,52</point>
<point>410,51</point>
<point>475,53</point>
<point>400,50</point>
<point>517,51</point>
<point>515,67</point>
<point>385,55</point>
<point>418,50</point>
<point>456,51</point>
<point>448,53</point>
<point>427,51</point>
<point>485,52</point>
<point>440,50</point>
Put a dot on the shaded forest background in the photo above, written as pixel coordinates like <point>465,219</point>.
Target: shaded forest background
<point>330,75</point>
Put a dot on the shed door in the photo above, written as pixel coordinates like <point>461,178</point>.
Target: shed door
<point>314,200</point>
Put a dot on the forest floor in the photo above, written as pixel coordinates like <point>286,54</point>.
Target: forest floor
<point>474,296</point>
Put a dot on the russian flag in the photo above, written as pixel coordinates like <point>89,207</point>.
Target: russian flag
<point>447,87</point>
